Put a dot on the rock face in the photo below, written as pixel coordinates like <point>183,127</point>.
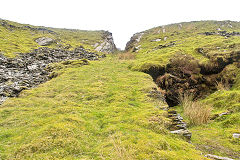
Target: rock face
<point>133,41</point>
<point>107,45</point>
<point>222,33</point>
<point>29,69</point>
<point>44,41</point>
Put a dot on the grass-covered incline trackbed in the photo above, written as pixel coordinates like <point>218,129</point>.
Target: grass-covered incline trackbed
<point>98,111</point>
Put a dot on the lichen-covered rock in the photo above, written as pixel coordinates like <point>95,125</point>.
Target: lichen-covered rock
<point>131,45</point>
<point>107,45</point>
<point>44,41</point>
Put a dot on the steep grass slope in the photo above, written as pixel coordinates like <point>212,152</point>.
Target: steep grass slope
<point>20,38</point>
<point>98,111</point>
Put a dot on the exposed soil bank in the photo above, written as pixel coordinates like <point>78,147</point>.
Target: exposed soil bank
<point>184,74</point>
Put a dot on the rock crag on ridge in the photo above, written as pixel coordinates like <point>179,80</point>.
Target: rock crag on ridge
<point>107,46</point>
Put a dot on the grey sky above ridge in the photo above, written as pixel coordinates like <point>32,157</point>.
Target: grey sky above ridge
<point>123,18</point>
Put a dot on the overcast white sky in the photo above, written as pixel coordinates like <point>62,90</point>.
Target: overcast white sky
<point>121,17</point>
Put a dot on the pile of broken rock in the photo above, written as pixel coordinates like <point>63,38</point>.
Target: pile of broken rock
<point>29,70</point>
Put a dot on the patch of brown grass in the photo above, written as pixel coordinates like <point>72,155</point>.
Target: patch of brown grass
<point>197,112</point>
<point>126,56</point>
<point>222,86</point>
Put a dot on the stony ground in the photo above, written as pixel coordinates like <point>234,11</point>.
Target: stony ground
<point>31,69</point>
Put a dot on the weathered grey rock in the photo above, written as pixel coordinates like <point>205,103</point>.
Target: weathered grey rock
<point>236,135</point>
<point>180,26</point>
<point>217,157</point>
<point>163,30</point>
<point>107,45</point>
<point>156,40</point>
<point>2,99</point>
<point>222,33</point>
<point>183,132</point>
<point>29,70</point>
<point>220,115</point>
<point>44,41</point>
<point>131,45</point>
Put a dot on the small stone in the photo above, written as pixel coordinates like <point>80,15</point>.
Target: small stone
<point>183,132</point>
<point>236,135</point>
<point>32,67</point>
<point>44,41</point>
<point>156,40</point>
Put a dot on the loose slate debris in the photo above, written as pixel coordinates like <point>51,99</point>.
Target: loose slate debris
<point>217,157</point>
<point>165,45</point>
<point>29,70</point>
<point>222,33</point>
<point>178,125</point>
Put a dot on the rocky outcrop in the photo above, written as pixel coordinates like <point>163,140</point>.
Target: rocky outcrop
<point>29,69</point>
<point>107,45</point>
<point>217,157</point>
<point>131,45</point>
<point>44,41</point>
<point>172,43</point>
<point>222,33</point>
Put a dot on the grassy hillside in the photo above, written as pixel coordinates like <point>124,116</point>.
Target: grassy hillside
<point>186,38</point>
<point>107,110</point>
<point>215,137</point>
<point>20,38</point>
<point>98,111</point>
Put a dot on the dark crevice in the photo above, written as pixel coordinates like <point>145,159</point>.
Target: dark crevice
<point>155,72</point>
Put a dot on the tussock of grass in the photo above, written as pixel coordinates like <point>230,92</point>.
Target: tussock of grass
<point>126,56</point>
<point>197,112</point>
<point>222,86</point>
<point>216,136</point>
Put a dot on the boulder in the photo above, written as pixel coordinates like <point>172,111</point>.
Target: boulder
<point>236,135</point>
<point>185,133</point>
<point>44,41</point>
